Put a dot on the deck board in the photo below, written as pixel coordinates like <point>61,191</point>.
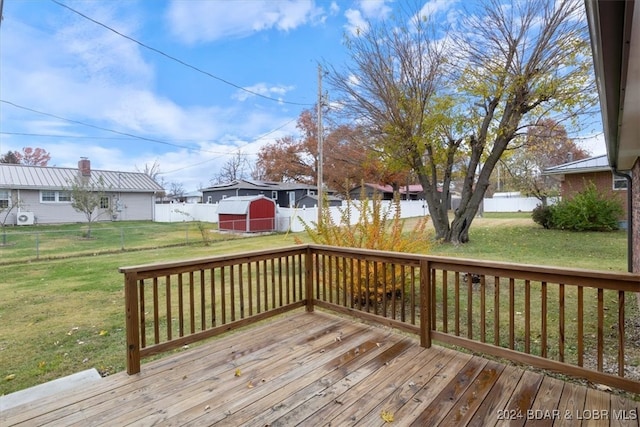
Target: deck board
<point>320,369</point>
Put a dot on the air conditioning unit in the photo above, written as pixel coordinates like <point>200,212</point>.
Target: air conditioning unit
<point>25,218</point>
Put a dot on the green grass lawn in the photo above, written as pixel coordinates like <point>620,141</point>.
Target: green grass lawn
<point>66,314</point>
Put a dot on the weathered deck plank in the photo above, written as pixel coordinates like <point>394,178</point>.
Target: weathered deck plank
<point>320,369</point>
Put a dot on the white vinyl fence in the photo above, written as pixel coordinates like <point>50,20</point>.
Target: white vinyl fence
<point>287,219</point>
<point>513,204</point>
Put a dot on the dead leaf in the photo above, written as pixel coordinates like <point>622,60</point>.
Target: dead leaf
<point>10,377</point>
<point>386,416</point>
<point>250,385</point>
<point>238,372</point>
<point>603,387</point>
<point>103,333</point>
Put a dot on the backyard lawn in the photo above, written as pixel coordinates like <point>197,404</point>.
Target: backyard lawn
<point>62,296</point>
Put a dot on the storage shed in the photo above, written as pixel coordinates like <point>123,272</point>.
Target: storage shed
<point>247,214</point>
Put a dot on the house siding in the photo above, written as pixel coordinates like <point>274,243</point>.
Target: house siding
<point>135,207</point>
<point>603,180</point>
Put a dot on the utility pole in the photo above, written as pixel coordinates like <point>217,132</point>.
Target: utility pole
<point>320,149</point>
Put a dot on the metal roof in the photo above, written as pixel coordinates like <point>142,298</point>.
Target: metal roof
<point>592,164</point>
<point>238,205</point>
<point>54,178</point>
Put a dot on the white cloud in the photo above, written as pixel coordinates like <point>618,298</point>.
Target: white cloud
<point>356,23</point>
<point>367,10</point>
<point>276,92</point>
<point>374,9</point>
<point>200,21</point>
<point>434,7</point>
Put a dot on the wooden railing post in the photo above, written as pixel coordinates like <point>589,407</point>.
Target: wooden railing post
<point>308,278</point>
<point>132,323</point>
<point>425,303</point>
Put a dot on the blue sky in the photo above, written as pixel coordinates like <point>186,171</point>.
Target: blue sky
<point>56,62</point>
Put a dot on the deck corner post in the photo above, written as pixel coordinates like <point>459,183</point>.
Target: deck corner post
<point>425,303</point>
<point>132,323</point>
<point>308,279</point>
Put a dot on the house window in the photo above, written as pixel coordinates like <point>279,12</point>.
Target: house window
<point>274,195</point>
<point>209,199</point>
<point>49,196</point>
<point>4,199</point>
<point>619,183</point>
<point>104,202</point>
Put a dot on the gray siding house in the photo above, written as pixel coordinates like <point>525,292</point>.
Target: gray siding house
<point>43,194</point>
<point>285,194</point>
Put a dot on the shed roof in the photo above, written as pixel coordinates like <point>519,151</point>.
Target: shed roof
<point>56,178</point>
<point>238,205</point>
<point>592,164</point>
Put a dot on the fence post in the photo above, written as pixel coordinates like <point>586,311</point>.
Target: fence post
<point>132,323</point>
<point>308,278</point>
<point>425,303</point>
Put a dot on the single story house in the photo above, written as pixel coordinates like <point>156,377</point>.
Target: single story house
<point>285,194</point>
<point>412,192</point>
<point>614,27</point>
<point>43,194</point>
<point>574,176</point>
<point>311,200</point>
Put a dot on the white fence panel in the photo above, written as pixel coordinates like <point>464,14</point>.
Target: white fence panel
<point>287,219</point>
<point>513,204</point>
<point>290,219</point>
<point>186,212</point>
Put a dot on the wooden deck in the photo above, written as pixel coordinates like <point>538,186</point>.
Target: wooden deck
<point>320,369</point>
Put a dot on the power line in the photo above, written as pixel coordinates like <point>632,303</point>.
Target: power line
<point>111,138</point>
<point>130,135</point>
<point>173,58</point>
<point>144,138</point>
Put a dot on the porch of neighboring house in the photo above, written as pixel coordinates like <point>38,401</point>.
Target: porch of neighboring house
<point>335,336</point>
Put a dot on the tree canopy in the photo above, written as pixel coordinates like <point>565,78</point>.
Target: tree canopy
<point>29,156</point>
<point>348,156</point>
<point>447,103</point>
<point>546,144</point>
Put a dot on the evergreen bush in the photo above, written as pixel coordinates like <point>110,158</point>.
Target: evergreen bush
<point>588,210</point>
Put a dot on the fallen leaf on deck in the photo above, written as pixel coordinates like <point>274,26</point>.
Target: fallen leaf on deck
<point>603,387</point>
<point>250,385</point>
<point>238,372</point>
<point>386,416</point>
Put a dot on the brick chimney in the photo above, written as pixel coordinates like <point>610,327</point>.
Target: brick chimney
<point>84,167</point>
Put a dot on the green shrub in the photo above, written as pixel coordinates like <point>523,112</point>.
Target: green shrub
<point>588,210</point>
<point>543,215</point>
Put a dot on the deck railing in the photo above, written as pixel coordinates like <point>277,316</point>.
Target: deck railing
<point>571,321</point>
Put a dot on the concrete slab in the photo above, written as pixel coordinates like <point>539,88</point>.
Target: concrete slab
<point>74,381</point>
